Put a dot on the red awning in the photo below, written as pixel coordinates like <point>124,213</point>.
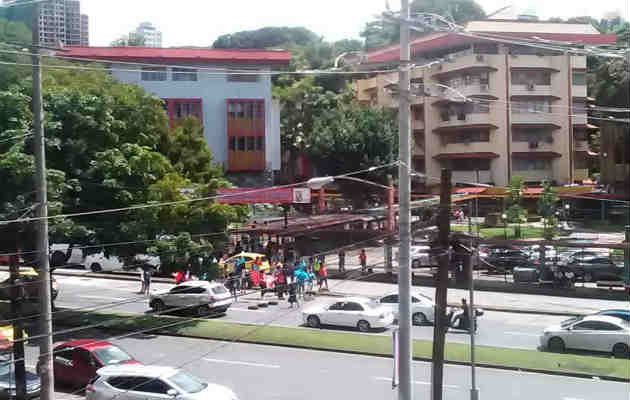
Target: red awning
<point>450,129</point>
<point>454,156</point>
<point>536,155</point>
<point>471,190</point>
<point>532,191</point>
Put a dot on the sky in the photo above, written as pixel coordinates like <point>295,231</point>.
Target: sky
<point>200,22</point>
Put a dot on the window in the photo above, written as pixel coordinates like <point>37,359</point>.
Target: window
<point>242,78</point>
<point>467,137</point>
<point>153,73</point>
<point>232,143</point>
<point>126,382</point>
<point>219,289</point>
<point>470,164</point>
<point>391,299</point>
<point>260,143</point>
<point>579,78</point>
<point>63,356</point>
<point>337,306</point>
<point>187,382</point>
<point>532,106</point>
<point>111,355</point>
<point>531,135</point>
<point>251,143</point>
<point>352,306</point>
<point>185,74</point>
<point>478,107</point>
<point>521,164</point>
<point>153,386</point>
<point>531,77</point>
<point>241,143</point>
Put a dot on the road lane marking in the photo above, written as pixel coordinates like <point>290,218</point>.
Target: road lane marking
<point>249,364</point>
<point>382,378</point>
<point>522,334</point>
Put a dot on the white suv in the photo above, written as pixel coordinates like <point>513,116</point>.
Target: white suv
<point>133,382</point>
<point>202,296</point>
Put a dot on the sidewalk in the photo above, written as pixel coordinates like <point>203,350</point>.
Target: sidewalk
<point>509,302</point>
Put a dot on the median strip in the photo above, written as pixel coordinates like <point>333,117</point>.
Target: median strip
<point>377,345</point>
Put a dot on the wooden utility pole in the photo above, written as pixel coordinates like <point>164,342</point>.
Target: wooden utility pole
<point>441,287</point>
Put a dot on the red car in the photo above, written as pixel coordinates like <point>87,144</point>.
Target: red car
<point>76,362</point>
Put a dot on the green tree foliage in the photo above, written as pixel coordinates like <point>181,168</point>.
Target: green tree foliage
<point>546,209</point>
<point>266,37</point>
<point>129,41</point>
<point>515,211</point>
<point>379,33</point>
<point>12,33</point>
<point>109,146</point>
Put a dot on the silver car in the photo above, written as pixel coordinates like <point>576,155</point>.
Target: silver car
<point>147,382</point>
<point>202,296</point>
<point>595,333</point>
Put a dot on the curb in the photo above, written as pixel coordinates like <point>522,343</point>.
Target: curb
<point>421,359</point>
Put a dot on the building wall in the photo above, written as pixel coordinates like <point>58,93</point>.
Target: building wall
<point>62,21</point>
<point>501,115</point>
<point>214,91</point>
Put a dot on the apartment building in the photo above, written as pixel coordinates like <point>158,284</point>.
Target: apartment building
<point>149,33</point>
<point>526,109</point>
<point>241,121</point>
<point>61,21</point>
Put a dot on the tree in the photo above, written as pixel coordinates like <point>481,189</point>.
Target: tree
<point>266,37</point>
<point>12,33</point>
<point>546,209</point>
<point>515,212</point>
<point>383,33</point>
<point>129,41</point>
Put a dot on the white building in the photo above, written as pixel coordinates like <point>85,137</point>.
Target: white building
<point>152,37</point>
<point>241,121</point>
<point>61,21</point>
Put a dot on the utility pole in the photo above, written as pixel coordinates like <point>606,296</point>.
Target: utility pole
<point>45,347</point>
<point>17,295</point>
<point>405,349</point>
<point>474,392</point>
<point>441,287</point>
<point>391,225</point>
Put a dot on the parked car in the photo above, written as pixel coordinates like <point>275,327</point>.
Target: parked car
<point>230,263</point>
<point>133,382</point>
<point>75,362</point>
<point>617,313</point>
<point>99,262</point>
<point>7,379</point>
<point>569,256</point>
<point>419,256</point>
<point>596,268</point>
<point>422,307</point>
<point>27,276</point>
<point>63,254</point>
<point>359,312</point>
<point>202,296</point>
<point>505,259</point>
<point>595,333</point>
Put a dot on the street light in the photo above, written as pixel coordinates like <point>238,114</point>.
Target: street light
<point>504,217</point>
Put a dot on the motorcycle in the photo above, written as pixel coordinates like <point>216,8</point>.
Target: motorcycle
<point>463,323</point>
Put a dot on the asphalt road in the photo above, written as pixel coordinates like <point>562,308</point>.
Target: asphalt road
<point>275,373</point>
<point>495,328</point>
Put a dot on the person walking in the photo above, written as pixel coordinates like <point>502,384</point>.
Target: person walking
<point>147,271</point>
<point>323,277</point>
<point>342,260</point>
<point>280,282</point>
<point>142,282</point>
<point>363,261</point>
<point>293,295</point>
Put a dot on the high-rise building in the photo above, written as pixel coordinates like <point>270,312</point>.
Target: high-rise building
<point>61,21</point>
<point>526,109</point>
<point>148,33</point>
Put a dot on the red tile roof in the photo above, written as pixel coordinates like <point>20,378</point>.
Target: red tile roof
<point>451,156</point>
<point>202,55</point>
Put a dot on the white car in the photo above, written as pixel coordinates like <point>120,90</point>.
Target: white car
<point>99,262</point>
<point>202,296</point>
<point>594,332</point>
<point>422,307</point>
<point>359,312</point>
<point>419,256</point>
<point>134,381</point>
<point>59,256</point>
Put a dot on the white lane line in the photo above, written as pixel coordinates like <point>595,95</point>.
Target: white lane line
<point>382,378</point>
<point>522,334</point>
<point>102,297</point>
<point>249,364</point>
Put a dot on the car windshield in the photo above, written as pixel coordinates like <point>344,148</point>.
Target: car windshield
<point>570,321</point>
<point>187,382</point>
<point>219,290</point>
<point>111,355</point>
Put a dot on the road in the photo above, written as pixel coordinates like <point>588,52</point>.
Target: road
<point>495,328</point>
<point>275,373</point>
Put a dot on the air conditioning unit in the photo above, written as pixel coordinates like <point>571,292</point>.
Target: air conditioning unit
<point>483,87</point>
<point>533,145</point>
<point>531,86</point>
<point>479,57</point>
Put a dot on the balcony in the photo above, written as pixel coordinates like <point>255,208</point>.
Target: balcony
<point>534,175</point>
<point>535,62</point>
<point>472,176</point>
<point>532,90</point>
<point>417,125</point>
<point>466,62</point>
<point>534,145</point>
<point>534,119</point>
<point>478,119</point>
<point>578,62</point>
<point>579,119</point>
<point>578,91</point>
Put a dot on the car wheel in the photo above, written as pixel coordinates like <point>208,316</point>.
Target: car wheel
<point>363,326</point>
<point>556,345</point>
<point>621,350</point>
<point>96,267</point>
<point>203,310</point>
<point>313,321</point>
<point>158,306</point>
<point>588,277</point>
<point>419,319</point>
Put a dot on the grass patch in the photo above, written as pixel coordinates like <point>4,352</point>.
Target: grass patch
<point>348,341</point>
<point>527,232</point>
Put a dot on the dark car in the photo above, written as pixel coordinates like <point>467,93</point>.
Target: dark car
<point>505,259</point>
<point>596,268</point>
<point>7,379</point>
<point>75,362</point>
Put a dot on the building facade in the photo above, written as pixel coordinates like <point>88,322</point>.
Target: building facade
<point>61,21</point>
<point>525,113</point>
<point>149,33</point>
<point>241,121</point>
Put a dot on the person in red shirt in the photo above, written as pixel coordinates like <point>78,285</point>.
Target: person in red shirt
<point>280,281</point>
<point>363,261</point>
<point>323,276</point>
